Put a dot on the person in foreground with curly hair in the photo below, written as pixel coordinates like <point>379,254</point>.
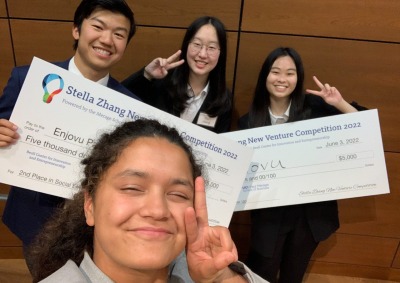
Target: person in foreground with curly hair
<point>141,201</point>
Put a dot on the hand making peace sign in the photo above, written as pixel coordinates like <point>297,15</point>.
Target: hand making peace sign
<point>209,249</point>
<point>332,96</point>
<point>158,68</point>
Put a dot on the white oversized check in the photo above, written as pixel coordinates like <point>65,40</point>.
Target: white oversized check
<point>315,160</point>
<point>60,115</point>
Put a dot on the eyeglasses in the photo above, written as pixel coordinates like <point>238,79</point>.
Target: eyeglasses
<point>196,47</point>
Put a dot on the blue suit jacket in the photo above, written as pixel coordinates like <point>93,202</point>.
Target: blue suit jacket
<point>26,211</point>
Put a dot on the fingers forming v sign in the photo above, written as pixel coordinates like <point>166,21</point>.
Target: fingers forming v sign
<point>171,62</point>
<point>209,249</point>
<point>158,68</point>
<point>329,93</point>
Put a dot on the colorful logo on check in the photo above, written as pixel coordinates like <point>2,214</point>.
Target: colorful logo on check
<point>52,84</point>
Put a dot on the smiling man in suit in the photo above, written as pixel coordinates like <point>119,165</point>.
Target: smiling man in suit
<point>101,29</point>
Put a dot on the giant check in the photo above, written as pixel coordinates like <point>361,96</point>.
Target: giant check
<point>315,160</point>
<point>60,115</point>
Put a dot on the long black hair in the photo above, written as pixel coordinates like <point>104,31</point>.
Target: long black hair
<point>179,78</point>
<point>259,113</point>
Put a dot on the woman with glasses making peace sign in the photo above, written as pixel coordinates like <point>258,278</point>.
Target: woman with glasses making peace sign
<point>195,88</point>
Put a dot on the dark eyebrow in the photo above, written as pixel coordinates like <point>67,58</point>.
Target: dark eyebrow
<point>291,69</point>
<point>210,42</point>
<point>183,182</point>
<point>104,24</point>
<point>132,173</point>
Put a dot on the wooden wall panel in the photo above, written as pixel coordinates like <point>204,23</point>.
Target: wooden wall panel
<point>7,238</point>
<point>3,11</point>
<point>357,19</point>
<point>352,66</point>
<point>364,67</point>
<point>396,262</point>
<point>376,216</point>
<point>43,9</point>
<point>147,44</point>
<point>11,252</point>
<point>53,45</point>
<point>10,245</point>
<point>180,13</point>
<point>355,270</point>
<point>14,270</point>
<point>150,43</point>
<point>7,60</point>
<point>172,13</point>
<point>351,249</point>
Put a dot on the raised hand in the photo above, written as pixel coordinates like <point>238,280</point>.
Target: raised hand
<point>332,96</point>
<point>329,93</point>
<point>158,68</point>
<point>8,133</point>
<point>210,249</point>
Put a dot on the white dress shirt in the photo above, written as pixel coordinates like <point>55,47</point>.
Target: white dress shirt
<point>194,103</point>
<point>275,119</point>
<point>74,69</point>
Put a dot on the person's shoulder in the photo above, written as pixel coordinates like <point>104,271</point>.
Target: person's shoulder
<point>311,99</point>
<point>246,272</point>
<point>23,69</point>
<point>179,271</point>
<point>64,64</point>
<point>69,272</point>
<point>318,108</point>
<point>117,86</point>
<point>20,70</point>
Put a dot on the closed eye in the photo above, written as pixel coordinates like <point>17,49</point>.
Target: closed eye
<point>136,190</point>
<point>120,35</point>
<point>97,27</point>
<point>178,196</point>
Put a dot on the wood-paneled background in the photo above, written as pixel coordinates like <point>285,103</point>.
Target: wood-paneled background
<point>354,45</point>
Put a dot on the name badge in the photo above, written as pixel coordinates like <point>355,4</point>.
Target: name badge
<point>206,120</point>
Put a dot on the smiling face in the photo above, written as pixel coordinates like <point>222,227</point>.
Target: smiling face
<point>102,41</point>
<point>138,209</point>
<point>282,78</point>
<point>200,62</point>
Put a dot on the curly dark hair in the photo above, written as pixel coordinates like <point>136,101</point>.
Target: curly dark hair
<point>66,236</point>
